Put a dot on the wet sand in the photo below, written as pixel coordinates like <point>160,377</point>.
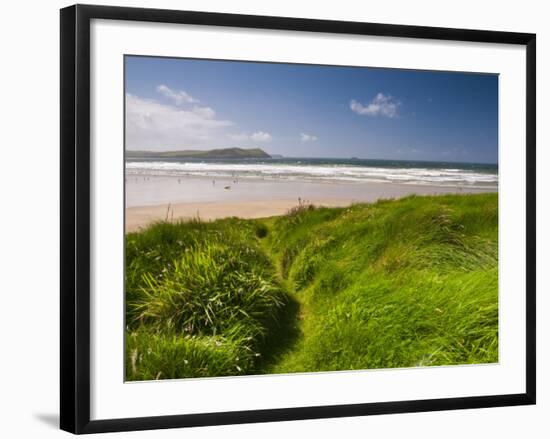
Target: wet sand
<point>154,198</point>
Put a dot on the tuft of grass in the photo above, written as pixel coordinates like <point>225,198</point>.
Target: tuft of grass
<point>162,355</point>
<point>207,290</point>
<point>396,283</point>
<point>198,290</point>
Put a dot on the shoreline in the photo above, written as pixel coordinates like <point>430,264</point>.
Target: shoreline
<point>198,198</point>
<point>131,178</point>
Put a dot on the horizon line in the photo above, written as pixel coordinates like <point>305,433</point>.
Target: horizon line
<point>306,157</point>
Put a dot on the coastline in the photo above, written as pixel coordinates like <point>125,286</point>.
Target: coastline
<point>156,198</point>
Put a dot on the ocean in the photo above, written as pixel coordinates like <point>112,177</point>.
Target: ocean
<point>353,170</point>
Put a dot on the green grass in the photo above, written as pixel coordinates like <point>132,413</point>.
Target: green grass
<point>201,300</point>
<point>397,283</point>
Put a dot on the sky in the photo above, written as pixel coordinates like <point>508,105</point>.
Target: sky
<point>300,110</point>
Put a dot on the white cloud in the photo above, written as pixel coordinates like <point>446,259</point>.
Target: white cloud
<point>456,153</point>
<point>179,97</point>
<point>205,112</point>
<point>381,105</point>
<point>260,136</point>
<point>151,125</point>
<point>241,137</point>
<point>307,137</point>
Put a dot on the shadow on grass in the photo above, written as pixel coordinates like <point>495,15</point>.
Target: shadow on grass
<point>283,337</point>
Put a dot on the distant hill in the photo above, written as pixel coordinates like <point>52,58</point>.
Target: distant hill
<point>226,153</point>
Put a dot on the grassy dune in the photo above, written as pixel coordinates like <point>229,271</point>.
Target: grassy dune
<point>400,283</point>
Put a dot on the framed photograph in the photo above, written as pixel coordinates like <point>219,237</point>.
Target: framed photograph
<point>268,219</point>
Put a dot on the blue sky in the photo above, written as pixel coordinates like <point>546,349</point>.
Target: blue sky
<point>311,111</point>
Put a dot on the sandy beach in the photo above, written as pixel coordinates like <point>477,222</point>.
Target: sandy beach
<point>154,198</point>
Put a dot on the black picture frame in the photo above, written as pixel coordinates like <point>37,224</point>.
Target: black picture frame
<point>75,217</point>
